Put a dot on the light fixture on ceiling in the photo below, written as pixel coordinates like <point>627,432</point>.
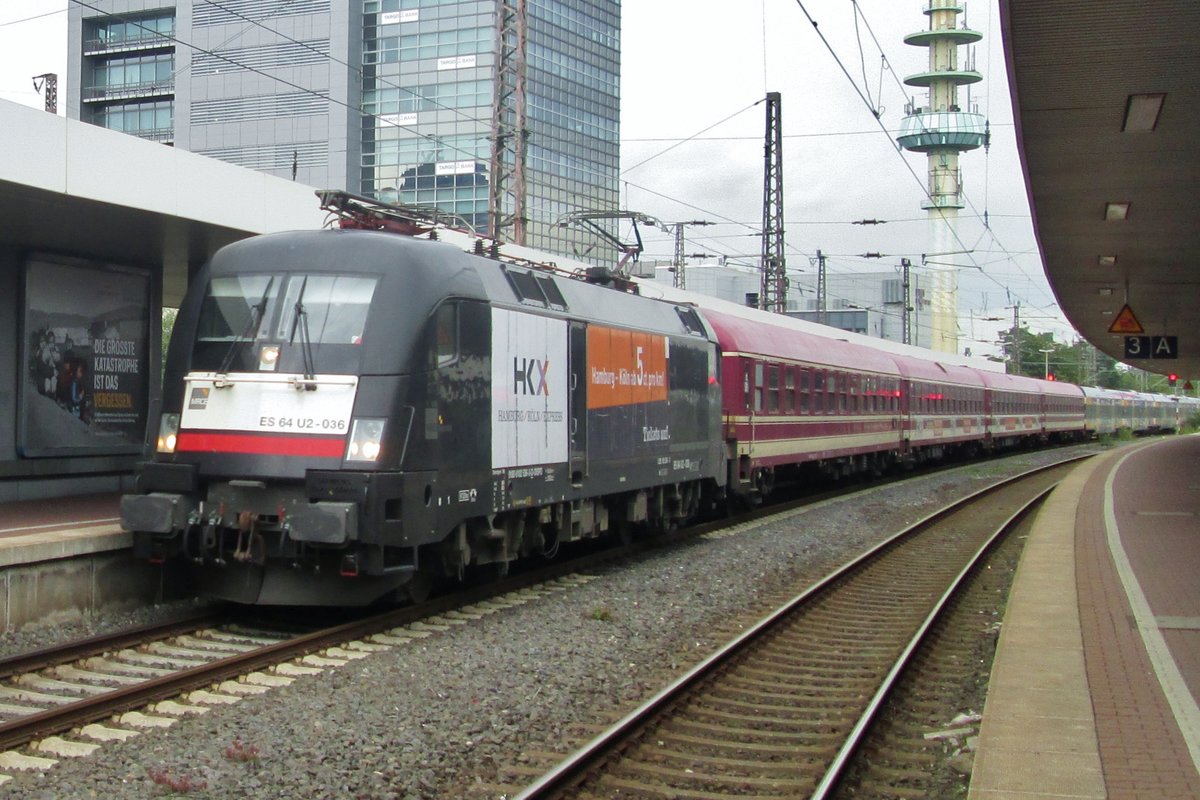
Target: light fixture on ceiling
<point>1108,312</point>
<point>1116,211</point>
<point>1106,291</point>
<point>1142,110</point>
<point>1106,261</point>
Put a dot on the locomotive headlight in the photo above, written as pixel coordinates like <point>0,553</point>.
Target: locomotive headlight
<point>168,433</point>
<point>268,357</point>
<point>365,436</point>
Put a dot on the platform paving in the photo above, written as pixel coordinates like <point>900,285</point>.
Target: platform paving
<point>1093,687</point>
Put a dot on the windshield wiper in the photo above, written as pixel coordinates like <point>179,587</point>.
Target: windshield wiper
<point>300,320</point>
<point>257,311</point>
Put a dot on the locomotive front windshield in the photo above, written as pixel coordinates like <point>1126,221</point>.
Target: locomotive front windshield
<point>327,313</point>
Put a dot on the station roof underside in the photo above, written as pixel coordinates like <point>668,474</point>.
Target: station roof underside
<point>1080,73</point>
<point>74,189</point>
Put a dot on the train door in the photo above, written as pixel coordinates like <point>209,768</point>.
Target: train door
<point>578,402</point>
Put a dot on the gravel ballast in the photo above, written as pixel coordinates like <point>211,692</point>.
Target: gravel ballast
<point>453,714</point>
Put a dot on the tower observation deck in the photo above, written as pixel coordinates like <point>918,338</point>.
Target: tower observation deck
<point>942,129</point>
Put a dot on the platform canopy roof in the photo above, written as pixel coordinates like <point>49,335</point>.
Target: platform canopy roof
<point>74,189</point>
<point>1106,95</point>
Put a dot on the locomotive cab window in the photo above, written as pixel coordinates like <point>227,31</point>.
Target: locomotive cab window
<point>445,346</point>
<point>333,307</point>
<point>234,308</point>
<point>297,311</point>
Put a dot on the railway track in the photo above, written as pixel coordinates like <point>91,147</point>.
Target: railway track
<point>117,676</point>
<point>105,685</point>
<point>780,711</point>
<point>99,686</point>
<point>79,683</point>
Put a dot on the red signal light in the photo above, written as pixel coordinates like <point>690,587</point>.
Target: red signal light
<point>1050,376</point>
<point>1172,378</point>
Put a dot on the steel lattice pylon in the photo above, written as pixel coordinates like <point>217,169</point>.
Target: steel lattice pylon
<point>506,181</point>
<point>773,294</point>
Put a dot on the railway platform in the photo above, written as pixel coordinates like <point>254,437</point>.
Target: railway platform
<point>67,556</point>
<point>32,530</point>
<point>1093,693</point>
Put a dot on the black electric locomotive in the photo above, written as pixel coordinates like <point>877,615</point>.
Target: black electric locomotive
<point>348,414</point>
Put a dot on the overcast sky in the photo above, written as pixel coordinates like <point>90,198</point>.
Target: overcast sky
<point>688,65</point>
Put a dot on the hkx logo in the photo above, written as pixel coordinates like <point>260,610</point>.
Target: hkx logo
<point>529,376</point>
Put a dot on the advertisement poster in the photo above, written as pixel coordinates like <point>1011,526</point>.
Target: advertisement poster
<point>529,389</point>
<point>86,359</point>
<point>628,391</point>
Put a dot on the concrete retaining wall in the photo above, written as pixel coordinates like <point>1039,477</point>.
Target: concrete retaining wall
<point>62,575</point>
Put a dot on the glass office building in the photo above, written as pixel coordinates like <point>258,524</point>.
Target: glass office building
<point>388,98</point>
<point>130,85</point>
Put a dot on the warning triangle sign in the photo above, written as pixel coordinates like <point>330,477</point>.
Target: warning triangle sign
<point>1125,322</point>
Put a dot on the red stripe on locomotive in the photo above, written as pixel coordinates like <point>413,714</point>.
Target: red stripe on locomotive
<point>260,444</point>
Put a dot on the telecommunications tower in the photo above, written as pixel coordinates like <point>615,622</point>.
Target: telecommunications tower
<point>942,129</point>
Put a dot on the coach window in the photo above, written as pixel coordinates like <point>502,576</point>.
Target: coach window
<point>789,389</point>
<point>758,386</point>
<point>805,390</point>
<point>773,389</point>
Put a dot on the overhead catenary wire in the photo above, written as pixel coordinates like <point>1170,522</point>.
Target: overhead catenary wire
<point>32,18</point>
<point>627,170</point>
<point>450,145</point>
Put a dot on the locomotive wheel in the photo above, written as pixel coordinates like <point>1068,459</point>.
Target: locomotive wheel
<point>416,590</point>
